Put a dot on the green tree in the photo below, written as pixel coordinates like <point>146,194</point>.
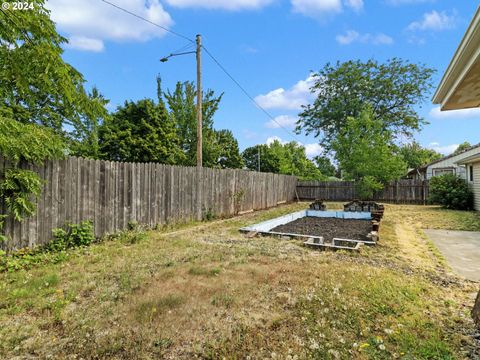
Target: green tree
<point>415,155</point>
<point>269,162</point>
<point>392,90</point>
<point>24,142</point>
<point>228,152</point>
<point>182,105</point>
<point>462,147</point>
<point>36,85</point>
<point>140,131</point>
<point>325,165</point>
<point>288,159</point>
<point>365,153</point>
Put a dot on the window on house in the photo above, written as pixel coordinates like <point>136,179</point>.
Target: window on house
<point>440,172</point>
<point>470,170</point>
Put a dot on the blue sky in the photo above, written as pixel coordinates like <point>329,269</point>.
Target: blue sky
<point>270,47</point>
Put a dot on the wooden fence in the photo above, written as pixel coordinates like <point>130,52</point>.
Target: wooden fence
<point>113,193</point>
<point>400,192</point>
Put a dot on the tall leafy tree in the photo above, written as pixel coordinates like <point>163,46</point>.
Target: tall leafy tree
<point>36,84</point>
<point>392,89</point>
<point>259,157</point>
<point>365,153</point>
<point>324,164</point>
<point>462,147</point>
<point>140,131</point>
<point>415,155</point>
<point>182,105</point>
<point>228,153</point>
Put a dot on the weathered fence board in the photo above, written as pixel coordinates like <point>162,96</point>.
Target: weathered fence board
<point>401,191</point>
<point>111,194</point>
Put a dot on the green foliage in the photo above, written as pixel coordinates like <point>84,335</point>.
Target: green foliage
<point>288,159</point>
<point>65,240</point>
<point>228,154</point>
<point>220,148</point>
<point>28,142</point>
<point>392,89</point>
<point>325,165</point>
<point>134,234</point>
<point>259,157</point>
<point>24,142</point>
<point>365,153</point>
<point>451,191</point>
<point>462,147</point>
<point>74,235</point>
<point>140,132</point>
<point>182,105</point>
<point>208,214</point>
<point>415,155</point>
<point>36,85</point>
<point>17,190</point>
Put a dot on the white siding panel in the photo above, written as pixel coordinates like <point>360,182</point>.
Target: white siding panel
<point>476,184</point>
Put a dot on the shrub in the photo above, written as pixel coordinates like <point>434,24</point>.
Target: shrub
<point>451,191</point>
<point>74,236</point>
<point>367,187</point>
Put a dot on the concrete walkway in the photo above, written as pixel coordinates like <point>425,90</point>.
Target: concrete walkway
<point>461,249</point>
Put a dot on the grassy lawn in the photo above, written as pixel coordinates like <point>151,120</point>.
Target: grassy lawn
<point>206,291</point>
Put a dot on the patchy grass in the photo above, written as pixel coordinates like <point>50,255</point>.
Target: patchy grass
<point>204,290</point>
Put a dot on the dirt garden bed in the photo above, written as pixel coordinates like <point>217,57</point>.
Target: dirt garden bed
<point>328,228</point>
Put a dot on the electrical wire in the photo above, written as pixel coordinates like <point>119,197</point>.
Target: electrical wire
<point>247,94</point>
<point>148,21</point>
<point>216,62</point>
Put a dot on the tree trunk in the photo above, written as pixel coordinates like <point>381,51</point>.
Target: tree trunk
<point>476,311</point>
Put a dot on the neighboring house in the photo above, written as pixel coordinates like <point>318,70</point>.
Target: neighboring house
<point>460,89</point>
<point>446,165</point>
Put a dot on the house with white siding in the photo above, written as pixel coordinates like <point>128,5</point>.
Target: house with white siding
<point>450,164</point>
<point>460,89</point>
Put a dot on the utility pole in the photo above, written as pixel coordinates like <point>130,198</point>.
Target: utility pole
<point>199,192</point>
<point>199,101</point>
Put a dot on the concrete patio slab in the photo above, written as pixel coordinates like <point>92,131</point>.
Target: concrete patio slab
<point>461,249</point>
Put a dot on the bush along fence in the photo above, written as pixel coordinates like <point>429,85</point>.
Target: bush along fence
<point>114,194</point>
<point>398,192</point>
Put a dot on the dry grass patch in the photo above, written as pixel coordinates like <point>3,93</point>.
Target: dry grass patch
<point>208,292</point>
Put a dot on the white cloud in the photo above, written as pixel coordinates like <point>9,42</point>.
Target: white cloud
<point>407,2</point>
<point>352,36</point>
<point>436,113</point>
<point>445,149</point>
<point>86,44</point>
<point>434,21</point>
<point>356,5</point>
<point>316,7</point>
<point>285,121</point>
<point>291,99</point>
<point>221,4</point>
<point>322,8</point>
<point>89,22</point>
<point>271,139</point>
<point>313,150</point>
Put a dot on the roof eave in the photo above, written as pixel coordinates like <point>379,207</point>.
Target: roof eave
<point>465,56</point>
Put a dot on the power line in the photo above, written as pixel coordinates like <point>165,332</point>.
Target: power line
<point>246,93</point>
<point>184,48</point>
<point>145,19</point>
<point>216,62</point>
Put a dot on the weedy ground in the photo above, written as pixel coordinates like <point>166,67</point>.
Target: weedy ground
<point>206,291</point>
